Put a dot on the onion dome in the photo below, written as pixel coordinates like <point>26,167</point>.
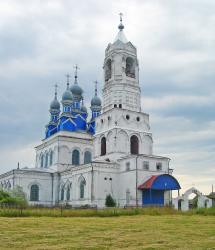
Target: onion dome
<point>75,88</point>
<point>96,101</point>
<point>83,108</point>
<point>55,103</point>
<point>67,95</point>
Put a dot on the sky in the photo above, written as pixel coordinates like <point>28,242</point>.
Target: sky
<point>41,41</point>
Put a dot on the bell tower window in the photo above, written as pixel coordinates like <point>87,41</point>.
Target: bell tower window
<point>108,70</point>
<point>130,67</point>
<point>134,145</point>
<point>103,146</point>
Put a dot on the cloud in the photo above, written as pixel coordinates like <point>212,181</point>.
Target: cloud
<point>40,41</point>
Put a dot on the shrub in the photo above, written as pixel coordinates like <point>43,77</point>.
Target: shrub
<point>110,202</point>
<point>19,196</point>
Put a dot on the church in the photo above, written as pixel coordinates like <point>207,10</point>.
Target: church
<point>86,156</point>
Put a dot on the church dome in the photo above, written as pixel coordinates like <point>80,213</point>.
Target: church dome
<point>76,90</point>
<point>67,96</point>
<point>96,101</point>
<point>84,109</point>
<point>55,104</point>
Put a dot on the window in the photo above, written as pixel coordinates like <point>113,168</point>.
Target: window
<point>115,106</point>
<point>102,120</point>
<point>130,68</point>
<point>46,160</point>
<point>51,158</point>
<point>42,161</point>
<point>82,188</point>
<point>87,157</point>
<point>120,106</point>
<point>109,118</point>
<point>134,145</point>
<point>138,118</point>
<point>159,166</point>
<point>127,117</point>
<point>62,193</point>
<point>145,165</point>
<point>127,167</point>
<point>68,193</point>
<point>75,157</point>
<point>108,70</point>
<point>103,146</point>
<point>34,194</point>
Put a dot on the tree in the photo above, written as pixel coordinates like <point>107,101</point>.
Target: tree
<point>110,202</point>
<point>5,198</point>
<point>19,196</point>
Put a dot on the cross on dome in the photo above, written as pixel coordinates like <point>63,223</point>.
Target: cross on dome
<point>96,83</point>
<point>76,72</point>
<point>121,26</point>
<point>56,86</point>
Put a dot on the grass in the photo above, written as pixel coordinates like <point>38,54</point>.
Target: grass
<point>65,212</point>
<point>174,231</point>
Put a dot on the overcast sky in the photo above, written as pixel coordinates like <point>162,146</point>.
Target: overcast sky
<point>40,41</point>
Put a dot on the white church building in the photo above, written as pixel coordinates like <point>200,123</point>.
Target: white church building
<point>83,159</point>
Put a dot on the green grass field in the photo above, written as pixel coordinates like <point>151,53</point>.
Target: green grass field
<point>124,232</point>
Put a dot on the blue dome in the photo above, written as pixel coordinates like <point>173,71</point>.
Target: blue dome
<point>96,101</point>
<point>76,90</point>
<point>55,104</point>
<point>67,96</point>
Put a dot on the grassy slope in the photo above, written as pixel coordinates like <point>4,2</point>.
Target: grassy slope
<point>125,232</point>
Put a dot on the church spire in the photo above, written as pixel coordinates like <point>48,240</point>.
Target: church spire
<point>121,36</point>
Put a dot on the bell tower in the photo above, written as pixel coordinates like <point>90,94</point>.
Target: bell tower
<point>121,74</point>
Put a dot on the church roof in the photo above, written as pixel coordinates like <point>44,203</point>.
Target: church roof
<point>160,182</point>
<point>121,37</point>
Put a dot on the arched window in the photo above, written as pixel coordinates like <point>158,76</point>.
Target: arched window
<point>34,194</point>
<point>82,188</point>
<point>68,193</point>
<point>130,68</point>
<point>42,161</point>
<point>46,160</point>
<point>103,146</point>
<point>75,157</point>
<point>62,193</point>
<point>134,142</point>
<point>87,157</point>
<point>51,158</point>
<point>108,70</point>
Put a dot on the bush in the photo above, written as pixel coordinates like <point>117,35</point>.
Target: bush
<point>110,202</point>
<point>15,197</point>
<point>19,196</point>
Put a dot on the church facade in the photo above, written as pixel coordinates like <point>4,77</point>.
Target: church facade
<point>84,157</point>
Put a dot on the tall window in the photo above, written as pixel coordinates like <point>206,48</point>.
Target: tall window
<point>130,69</point>
<point>41,161</point>
<point>82,188</point>
<point>34,193</point>
<point>108,70</point>
<point>51,158</point>
<point>134,145</point>
<point>75,157</point>
<point>103,146</point>
<point>68,193</point>
<point>46,160</point>
<point>87,157</point>
<point>62,193</point>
